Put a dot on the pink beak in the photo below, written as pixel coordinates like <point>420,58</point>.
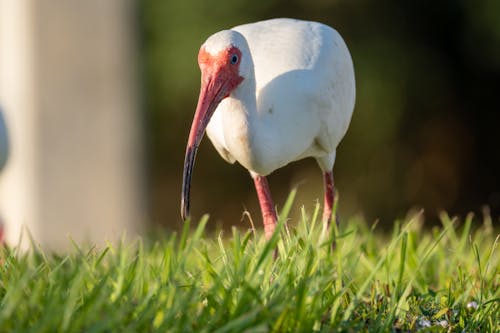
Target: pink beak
<point>213,90</point>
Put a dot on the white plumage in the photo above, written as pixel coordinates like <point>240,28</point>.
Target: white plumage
<point>302,101</point>
<point>273,92</point>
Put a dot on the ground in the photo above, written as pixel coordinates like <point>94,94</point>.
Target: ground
<point>440,280</point>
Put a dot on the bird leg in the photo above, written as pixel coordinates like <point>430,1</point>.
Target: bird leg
<point>329,198</point>
<point>328,205</point>
<point>266,205</point>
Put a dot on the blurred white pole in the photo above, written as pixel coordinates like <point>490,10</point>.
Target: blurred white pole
<point>67,87</point>
<point>17,189</point>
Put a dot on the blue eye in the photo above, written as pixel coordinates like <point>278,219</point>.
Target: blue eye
<point>234,59</point>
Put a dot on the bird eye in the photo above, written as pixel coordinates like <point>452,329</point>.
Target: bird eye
<point>234,59</point>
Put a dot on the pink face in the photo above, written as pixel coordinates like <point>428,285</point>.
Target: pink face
<point>223,66</point>
<point>219,77</point>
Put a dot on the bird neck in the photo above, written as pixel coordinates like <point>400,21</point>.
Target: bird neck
<point>244,96</point>
<point>240,121</point>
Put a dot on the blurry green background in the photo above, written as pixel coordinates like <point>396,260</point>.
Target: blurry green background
<point>424,131</point>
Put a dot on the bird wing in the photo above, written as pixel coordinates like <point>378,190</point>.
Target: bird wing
<point>318,69</point>
<point>282,45</point>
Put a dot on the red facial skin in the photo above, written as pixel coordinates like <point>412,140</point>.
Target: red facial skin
<point>219,77</point>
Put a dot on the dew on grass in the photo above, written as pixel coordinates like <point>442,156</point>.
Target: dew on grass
<point>424,322</point>
<point>472,305</point>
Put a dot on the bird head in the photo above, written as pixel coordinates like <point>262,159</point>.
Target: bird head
<point>224,61</point>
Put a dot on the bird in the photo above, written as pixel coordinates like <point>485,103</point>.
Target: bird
<point>273,92</point>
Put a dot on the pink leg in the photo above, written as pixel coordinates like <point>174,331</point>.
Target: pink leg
<point>329,198</point>
<point>266,205</point>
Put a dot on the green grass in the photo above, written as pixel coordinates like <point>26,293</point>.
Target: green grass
<point>409,280</point>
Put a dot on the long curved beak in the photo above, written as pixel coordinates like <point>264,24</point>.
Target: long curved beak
<point>213,91</point>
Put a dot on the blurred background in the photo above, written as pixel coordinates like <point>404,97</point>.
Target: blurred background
<point>99,96</point>
<point>424,133</point>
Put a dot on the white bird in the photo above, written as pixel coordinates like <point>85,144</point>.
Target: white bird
<point>273,92</point>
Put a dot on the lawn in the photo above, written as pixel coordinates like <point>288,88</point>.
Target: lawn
<point>411,279</point>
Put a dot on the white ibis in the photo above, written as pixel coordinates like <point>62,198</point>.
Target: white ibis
<point>273,92</point>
